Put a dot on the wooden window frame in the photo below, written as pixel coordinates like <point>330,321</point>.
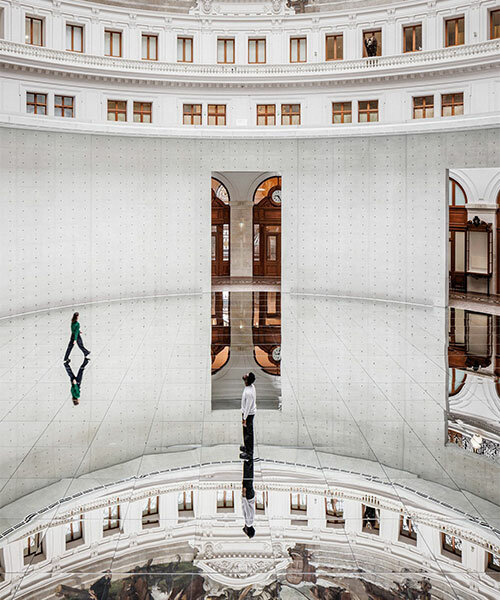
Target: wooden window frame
<point>335,36</point>
<point>141,111</point>
<point>342,111</point>
<point>290,113</point>
<point>334,516</point>
<point>63,106</point>
<point>455,20</point>
<point>490,565</point>
<point>414,37</point>
<point>117,111</point>
<point>186,494</point>
<point>492,12</point>
<point>109,518</point>
<point>368,111</point>
<point>183,39</point>
<point>453,104</point>
<point>452,200</point>
<point>148,37</point>
<point>225,41</point>
<point>298,38</point>
<point>191,114</point>
<point>72,536</point>
<point>28,553</point>
<point>424,106</point>
<point>36,104</point>
<point>411,534</point>
<point>73,26</point>
<point>375,528</point>
<point>267,115</point>
<point>450,549</point>
<point>42,36</point>
<point>261,506</point>
<point>257,61</point>
<point>151,513</point>
<point>379,46</point>
<point>112,32</point>
<point>299,507</point>
<point>213,111</point>
<point>227,499</point>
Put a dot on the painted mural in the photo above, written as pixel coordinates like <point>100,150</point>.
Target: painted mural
<point>181,580</point>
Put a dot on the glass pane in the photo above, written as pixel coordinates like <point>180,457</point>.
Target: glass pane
<point>144,47</point>
<point>40,98</point>
<point>68,38</point>
<point>68,112</point>
<point>152,47</point>
<point>261,51</point>
<point>373,116</point>
<point>293,54</point>
<point>363,117</point>
<point>107,42</point>
<point>256,242</point>
<point>429,112</point>
<point>302,49</point>
<point>220,51</point>
<point>225,242</point>
<point>30,109</point>
<point>495,24</point>
<point>27,31</point>
<point>419,113</point>
<point>460,251</point>
<point>214,246</point>
<point>340,47</point>
<point>189,50</point>
<point>330,48</point>
<point>408,39</point>
<point>230,51</point>
<point>122,117</point>
<point>37,32</point>
<point>271,247</point>
<point>446,111</point>
<point>418,37</point>
<point>180,57</point>
<point>78,39</point>
<point>252,52</point>
<point>459,109</point>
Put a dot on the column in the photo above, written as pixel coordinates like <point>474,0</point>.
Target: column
<point>473,557</point>
<point>92,527</point>
<point>389,525</point>
<point>428,540</point>
<point>278,509</point>
<point>132,520</point>
<point>54,541</point>
<point>316,516</point>
<point>353,517</point>
<point>168,509</point>
<point>13,560</point>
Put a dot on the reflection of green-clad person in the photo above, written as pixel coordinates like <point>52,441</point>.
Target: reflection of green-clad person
<point>75,338</point>
<point>76,381</point>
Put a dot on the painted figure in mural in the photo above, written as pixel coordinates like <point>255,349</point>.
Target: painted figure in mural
<point>76,380</point>
<point>248,410</point>
<point>371,45</point>
<point>75,338</point>
<point>300,570</point>
<point>97,591</point>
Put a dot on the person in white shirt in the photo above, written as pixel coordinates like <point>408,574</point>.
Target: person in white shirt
<point>248,499</point>
<point>248,410</point>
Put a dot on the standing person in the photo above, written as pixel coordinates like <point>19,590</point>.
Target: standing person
<point>75,338</point>
<point>248,410</point>
<point>76,381</point>
<point>248,499</point>
<point>371,45</point>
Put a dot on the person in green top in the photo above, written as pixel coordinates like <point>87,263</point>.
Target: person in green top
<point>76,381</point>
<point>75,338</point>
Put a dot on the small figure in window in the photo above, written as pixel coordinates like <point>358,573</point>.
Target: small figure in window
<point>76,381</point>
<point>75,338</point>
<point>370,517</point>
<point>371,45</point>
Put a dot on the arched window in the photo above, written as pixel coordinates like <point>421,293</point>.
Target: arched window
<point>456,194</point>
<point>265,187</point>
<point>267,228</point>
<point>219,190</point>
<point>220,229</point>
<point>456,381</point>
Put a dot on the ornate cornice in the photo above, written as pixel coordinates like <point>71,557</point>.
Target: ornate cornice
<point>58,62</point>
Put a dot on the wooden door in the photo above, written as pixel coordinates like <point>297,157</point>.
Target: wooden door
<point>272,253</point>
<point>457,252</point>
<point>267,236</point>
<point>220,238</point>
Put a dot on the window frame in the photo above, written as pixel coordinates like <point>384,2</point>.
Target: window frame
<point>256,41</point>
<point>368,111</point>
<point>267,115</point>
<point>342,111</point>
<point>334,516</point>
<point>455,20</point>
<point>113,32</point>
<point>374,528</point>
<point>64,106</point>
<point>36,104</point>
<point>192,114</point>
<point>39,550</point>
<point>424,107</point>
<point>107,527</point>
<point>335,36</point>
<point>227,500</point>
<point>490,565</point>
<point>411,534</point>
<point>150,516</point>
<point>142,112</point>
<point>225,41</point>
<point>215,113</point>
<point>453,104</point>
<point>74,26</point>
<point>451,549</point>
<point>148,37</point>
<point>31,19</point>
<point>72,536</point>
<point>184,39</point>
<point>261,506</point>
<point>291,114</point>
<point>298,507</point>
<point>491,13</point>
<point>413,28</point>
<point>298,38</point>
<point>185,509</point>
<point>117,111</point>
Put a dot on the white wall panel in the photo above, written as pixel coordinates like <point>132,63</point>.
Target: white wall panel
<point>88,218</point>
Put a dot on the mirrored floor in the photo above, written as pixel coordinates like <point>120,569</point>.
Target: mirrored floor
<point>135,485</point>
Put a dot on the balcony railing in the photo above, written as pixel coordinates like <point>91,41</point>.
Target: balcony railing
<point>426,60</point>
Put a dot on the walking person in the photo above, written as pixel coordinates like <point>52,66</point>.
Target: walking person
<point>76,381</point>
<point>248,410</point>
<point>75,338</point>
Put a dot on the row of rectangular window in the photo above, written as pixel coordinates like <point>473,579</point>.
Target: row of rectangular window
<point>334,43</point>
<point>368,110</point>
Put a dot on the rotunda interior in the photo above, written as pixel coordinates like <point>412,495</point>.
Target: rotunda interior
<point>250,300</point>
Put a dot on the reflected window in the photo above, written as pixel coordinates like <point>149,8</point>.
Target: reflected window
<point>493,563</point>
<point>451,544</point>
<point>457,380</point>
<point>334,508</point>
<point>225,499</point>
<point>150,512</point>
<point>298,502</point>
<point>185,501</point>
<point>406,528</point>
<point>33,547</point>
<point>111,518</point>
<point>260,501</point>
<point>371,519</point>
<point>74,530</point>
<point>456,194</point>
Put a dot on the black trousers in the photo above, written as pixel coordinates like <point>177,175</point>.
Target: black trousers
<point>248,435</point>
<point>79,341</point>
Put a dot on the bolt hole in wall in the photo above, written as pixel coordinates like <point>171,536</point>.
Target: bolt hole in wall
<point>246,287</point>
<point>474,313</point>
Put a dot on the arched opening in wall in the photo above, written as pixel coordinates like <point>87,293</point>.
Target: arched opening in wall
<point>221,217</point>
<point>457,201</point>
<point>267,229</point>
